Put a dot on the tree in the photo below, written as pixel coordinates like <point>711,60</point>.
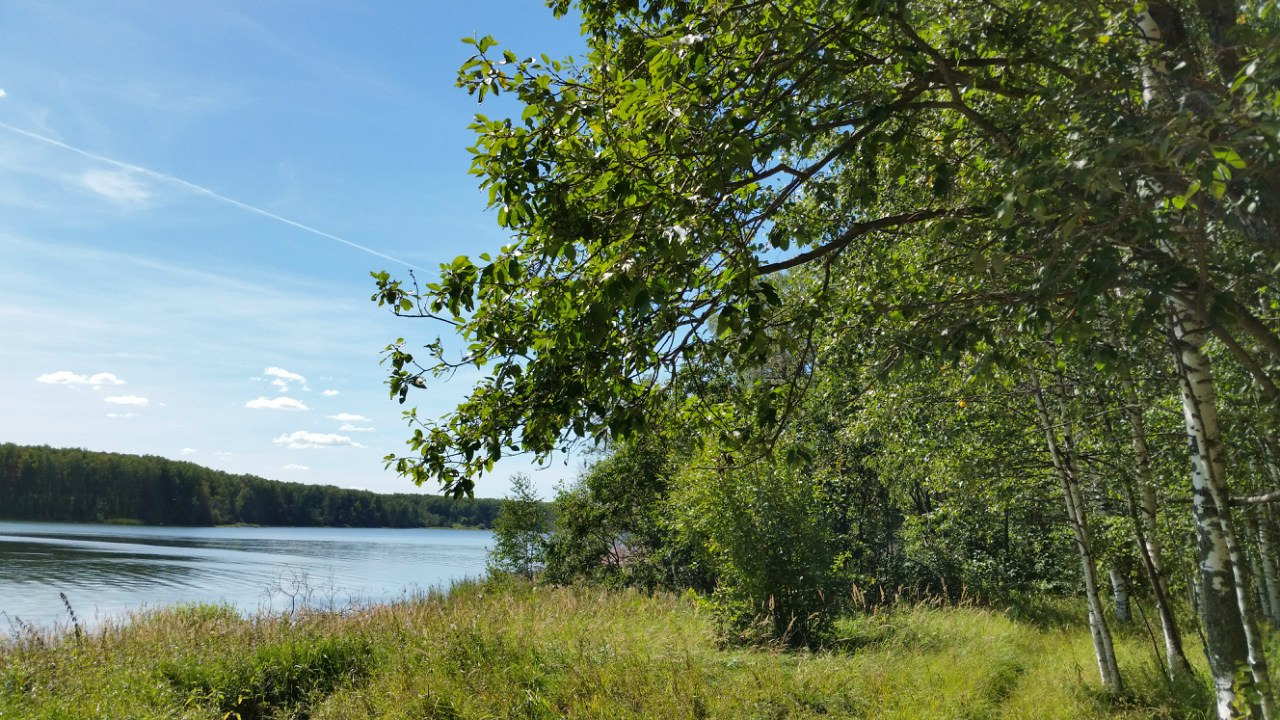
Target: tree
<point>945,175</point>
<point>520,531</point>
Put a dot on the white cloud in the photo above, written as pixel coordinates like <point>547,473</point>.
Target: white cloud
<point>348,427</point>
<point>280,403</point>
<point>118,187</point>
<point>283,377</point>
<point>66,377</point>
<point>127,400</point>
<point>3,93</point>
<point>222,453</point>
<point>122,415</point>
<point>187,451</point>
<point>303,440</point>
<point>329,393</point>
<point>348,417</point>
<point>295,466</point>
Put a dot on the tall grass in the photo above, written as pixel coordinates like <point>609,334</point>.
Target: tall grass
<point>512,650</point>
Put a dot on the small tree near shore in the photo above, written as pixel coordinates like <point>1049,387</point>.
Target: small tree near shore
<point>520,531</point>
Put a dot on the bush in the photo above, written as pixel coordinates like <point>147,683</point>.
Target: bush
<point>609,526</point>
<point>766,531</point>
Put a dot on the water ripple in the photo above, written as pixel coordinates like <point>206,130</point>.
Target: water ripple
<point>108,570</point>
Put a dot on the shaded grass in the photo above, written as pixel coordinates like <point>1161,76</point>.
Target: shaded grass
<point>516,651</point>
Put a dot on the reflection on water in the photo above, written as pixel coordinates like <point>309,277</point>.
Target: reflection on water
<point>107,570</point>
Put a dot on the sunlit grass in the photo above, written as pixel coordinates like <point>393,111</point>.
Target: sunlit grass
<point>517,651</point>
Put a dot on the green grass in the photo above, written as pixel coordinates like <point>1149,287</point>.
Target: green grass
<point>517,651</point>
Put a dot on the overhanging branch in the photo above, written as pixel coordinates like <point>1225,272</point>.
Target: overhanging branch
<point>859,229</point>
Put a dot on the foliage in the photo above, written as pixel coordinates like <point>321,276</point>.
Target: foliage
<point>520,531</point>
<point>287,676</point>
<point>612,525</point>
<point>927,253</point>
<point>767,533</point>
<point>658,191</point>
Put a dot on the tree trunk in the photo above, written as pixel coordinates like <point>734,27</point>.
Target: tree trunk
<point>1265,565</point>
<point>1259,580</point>
<point>1149,546</point>
<point>1104,649</point>
<point>1271,574</point>
<point>1119,574</point>
<point>1232,645</point>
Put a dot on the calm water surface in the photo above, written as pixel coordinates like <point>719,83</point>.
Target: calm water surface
<point>109,570</point>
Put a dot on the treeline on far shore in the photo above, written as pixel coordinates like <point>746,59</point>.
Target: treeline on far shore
<point>72,485</point>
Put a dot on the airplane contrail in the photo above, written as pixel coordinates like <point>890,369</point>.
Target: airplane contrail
<point>201,190</point>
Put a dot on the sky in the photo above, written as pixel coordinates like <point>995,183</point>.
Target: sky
<point>192,197</point>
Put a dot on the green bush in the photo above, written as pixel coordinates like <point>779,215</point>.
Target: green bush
<point>766,531</point>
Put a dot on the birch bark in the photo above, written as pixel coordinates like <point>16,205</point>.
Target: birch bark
<point>1149,537</point>
<point>1059,452</point>
<point>1233,642</point>
<point>1119,575</point>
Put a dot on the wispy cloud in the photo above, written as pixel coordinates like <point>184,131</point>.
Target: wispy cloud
<point>348,417</point>
<point>282,378</point>
<point>188,451</point>
<point>66,377</point>
<point>119,187</point>
<point>295,466</point>
<point>137,400</point>
<point>201,190</point>
<point>303,440</point>
<point>348,427</point>
<point>122,415</point>
<point>329,393</point>
<point>279,403</point>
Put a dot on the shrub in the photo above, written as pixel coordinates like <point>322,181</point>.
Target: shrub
<point>766,531</point>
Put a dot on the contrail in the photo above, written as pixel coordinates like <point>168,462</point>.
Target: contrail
<point>200,190</point>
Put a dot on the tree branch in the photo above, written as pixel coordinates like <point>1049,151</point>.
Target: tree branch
<point>857,230</point>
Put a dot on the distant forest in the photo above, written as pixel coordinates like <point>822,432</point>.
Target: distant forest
<point>72,485</point>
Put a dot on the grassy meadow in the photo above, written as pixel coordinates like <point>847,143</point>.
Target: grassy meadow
<point>502,650</point>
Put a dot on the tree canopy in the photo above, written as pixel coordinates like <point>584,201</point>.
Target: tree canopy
<point>947,168</point>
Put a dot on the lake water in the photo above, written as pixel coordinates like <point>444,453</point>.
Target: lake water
<point>109,570</point>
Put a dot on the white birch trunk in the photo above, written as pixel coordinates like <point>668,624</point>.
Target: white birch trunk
<point>1233,640</point>
<point>1120,589</point>
<point>1104,649</point>
<point>1150,546</point>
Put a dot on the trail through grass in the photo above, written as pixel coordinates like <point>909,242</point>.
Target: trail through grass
<point>518,651</point>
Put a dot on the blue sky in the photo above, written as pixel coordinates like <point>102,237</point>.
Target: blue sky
<point>155,297</point>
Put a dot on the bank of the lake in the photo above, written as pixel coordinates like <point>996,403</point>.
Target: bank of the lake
<point>106,571</point>
<point>513,650</point>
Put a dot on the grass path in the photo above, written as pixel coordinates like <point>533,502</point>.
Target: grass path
<point>489,651</point>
